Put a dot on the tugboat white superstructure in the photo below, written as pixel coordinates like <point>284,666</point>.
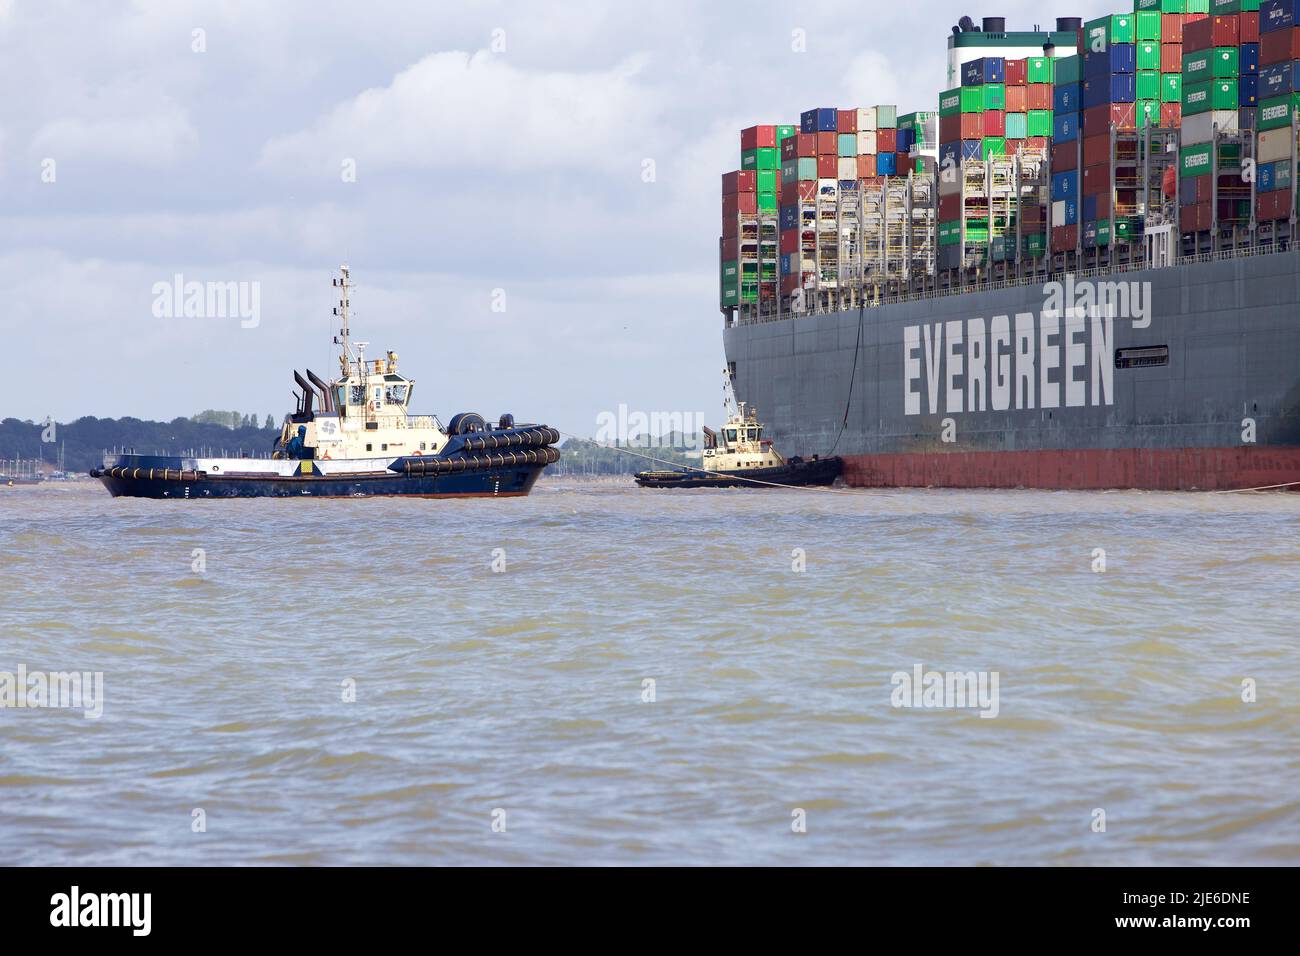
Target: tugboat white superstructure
<point>354,436</point>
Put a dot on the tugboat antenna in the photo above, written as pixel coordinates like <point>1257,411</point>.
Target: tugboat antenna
<point>344,285</point>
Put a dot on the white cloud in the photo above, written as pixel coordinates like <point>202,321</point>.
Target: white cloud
<point>154,141</point>
<point>479,112</point>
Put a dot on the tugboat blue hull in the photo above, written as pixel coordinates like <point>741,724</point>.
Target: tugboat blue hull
<point>498,483</point>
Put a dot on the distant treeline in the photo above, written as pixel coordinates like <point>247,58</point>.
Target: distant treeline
<point>84,441</point>
<point>579,457</point>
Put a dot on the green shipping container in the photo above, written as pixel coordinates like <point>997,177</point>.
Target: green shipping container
<point>1196,6</point>
<point>848,144</point>
<point>807,168</point>
<point>1148,54</point>
<point>950,102</point>
<point>790,171</point>
<point>1164,6</point>
<point>1147,25</point>
<point>1194,160</point>
<point>1040,69</point>
<point>949,233</point>
<point>1148,113</point>
<point>1116,28</point>
<point>1226,63</point>
<point>765,157</point>
<point>994,97</point>
<point>1171,88</point>
<point>1196,98</point>
<point>1039,123</point>
<point>994,146</point>
<point>1275,113</point>
<point>1103,232</point>
<point>998,248</point>
<point>765,181</point>
<point>1140,5</point>
<point>1148,85</point>
<point>1035,245</point>
<point>1197,66</point>
<point>1126,229</point>
<point>1017,126</point>
<point>767,202</point>
<point>1223,94</point>
<point>1219,8</point>
<point>972,99</point>
<point>1068,69</point>
<point>783,131</point>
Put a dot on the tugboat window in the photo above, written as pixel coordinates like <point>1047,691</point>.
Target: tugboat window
<point>731,436</point>
<point>358,394</point>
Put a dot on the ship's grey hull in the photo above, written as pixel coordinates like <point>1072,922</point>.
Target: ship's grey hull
<point>1223,413</point>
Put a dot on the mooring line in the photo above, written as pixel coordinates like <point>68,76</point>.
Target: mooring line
<point>1237,491</point>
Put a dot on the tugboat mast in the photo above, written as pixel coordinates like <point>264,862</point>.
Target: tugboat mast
<point>341,310</point>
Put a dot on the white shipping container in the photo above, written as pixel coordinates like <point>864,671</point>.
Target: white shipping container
<point>866,142</point>
<point>848,167</point>
<point>1274,145</point>
<point>886,117</point>
<point>829,189</point>
<point>1199,127</point>
<point>1058,213</point>
<point>867,119</point>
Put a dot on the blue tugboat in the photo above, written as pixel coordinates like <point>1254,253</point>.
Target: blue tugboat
<point>353,437</point>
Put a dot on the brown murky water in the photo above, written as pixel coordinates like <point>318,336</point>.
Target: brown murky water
<point>525,691</point>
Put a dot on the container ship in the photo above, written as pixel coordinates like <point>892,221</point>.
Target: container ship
<point>1077,271</point>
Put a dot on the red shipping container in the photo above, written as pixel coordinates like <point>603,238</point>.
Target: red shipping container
<point>846,121</point>
<point>758,137</point>
<point>950,127</point>
<point>1197,218</point>
<point>1204,189</point>
<point>886,140</point>
<point>1099,119</point>
<point>1103,205</point>
<point>730,248</point>
<point>1079,46</point>
<point>949,207</point>
<point>1248,27</point>
<point>902,164</point>
<point>797,192</point>
<point>1065,237</point>
<point>740,181</point>
<point>789,147</point>
<point>1017,99</point>
<point>746,203</point>
<point>1065,157</point>
<point>789,241</point>
<point>1040,96</point>
<point>828,144</point>
<point>873,181</point>
<point>866,167</point>
<point>730,228</point>
<point>1279,46</point>
<point>972,126</point>
<point>1171,115</point>
<point>995,123</point>
<point>789,284</point>
<point>828,166</point>
<point>1041,143</point>
<point>1016,73</point>
<point>1171,28</point>
<point>1096,179</point>
<point>1171,58</point>
<point>1032,215</point>
<point>1096,149</point>
<point>1012,146</point>
<point>1273,205</point>
<point>1211,32</point>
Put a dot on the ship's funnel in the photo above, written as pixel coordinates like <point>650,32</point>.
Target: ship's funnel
<point>995,24</point>
<point>967,25</point>
<point>326,399</point>
<point>307,394</point>
<point>1068,24</point>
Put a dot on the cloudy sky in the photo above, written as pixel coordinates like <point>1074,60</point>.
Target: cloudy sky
<point>496,146</point>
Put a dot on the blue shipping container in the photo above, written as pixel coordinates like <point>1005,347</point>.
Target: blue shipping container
<point>1247,90</point>
<point>1279,79</point>
<point>1118,58</point>
<point>949,155</point>
<point>905,140</point>
<point>1278,15</point>
<point>789,217</point>
<point>1089,208</point>
<point>886,164</point>
<point>821,120</point>
<point>788,260</point>
<point>1065,127</point>
<point>970,149</point>
<point>1248,59</point>
<point>1065,185</point>
<point>1115,88</point>
<point>1065,99</point>
<point>1071,212</point>
<point>987,69</point>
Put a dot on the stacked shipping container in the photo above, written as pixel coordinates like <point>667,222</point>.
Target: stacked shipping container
<point>1279,94</point>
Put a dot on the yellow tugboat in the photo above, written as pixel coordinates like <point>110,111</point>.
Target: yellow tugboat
<point>741,456</point>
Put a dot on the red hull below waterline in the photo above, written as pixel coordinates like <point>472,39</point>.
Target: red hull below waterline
<point>1164,469</point>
